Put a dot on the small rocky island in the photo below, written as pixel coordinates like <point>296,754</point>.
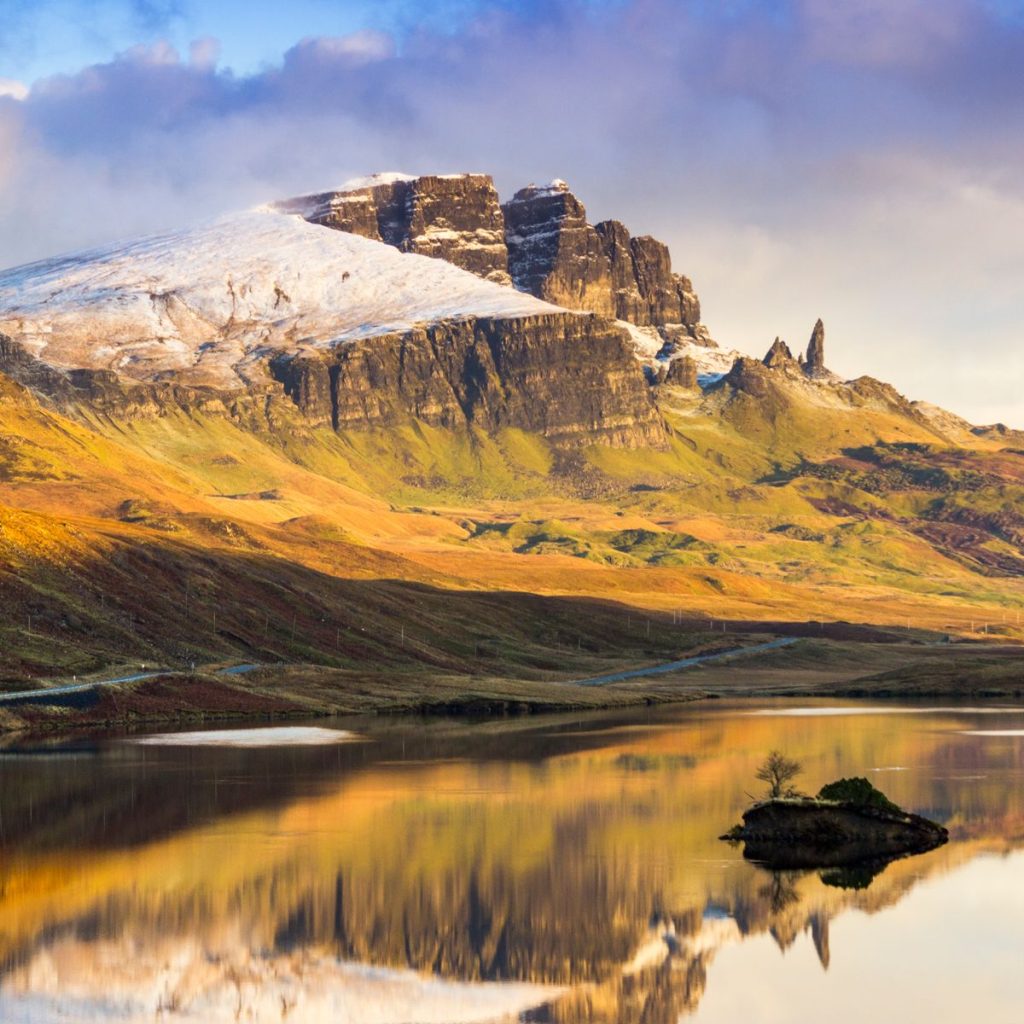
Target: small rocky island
<point>849,822</point>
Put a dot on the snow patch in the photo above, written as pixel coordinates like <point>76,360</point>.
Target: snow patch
<point>647,342</point>
<point>648,346</point>
<point>712,363</point>
<point>555,187</point>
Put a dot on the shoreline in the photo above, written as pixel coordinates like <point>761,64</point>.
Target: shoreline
<point>766,666</point>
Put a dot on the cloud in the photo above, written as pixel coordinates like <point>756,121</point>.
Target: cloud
<point>13,89</point>
<point>353,50</point>
<point>857,161</point>
<point>884,33</point>
<point>204,53</point>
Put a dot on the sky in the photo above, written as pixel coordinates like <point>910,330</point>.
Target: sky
<point>858,161</point>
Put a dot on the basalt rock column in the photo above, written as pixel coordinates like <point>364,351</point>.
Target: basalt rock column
<point>814,365</point>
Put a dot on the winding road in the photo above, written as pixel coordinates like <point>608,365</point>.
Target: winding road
<point>235,670</point>
<point>57,691</point>
<point>674,666</point>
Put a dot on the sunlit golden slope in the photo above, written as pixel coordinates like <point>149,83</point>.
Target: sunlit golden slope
<point>794,505</point>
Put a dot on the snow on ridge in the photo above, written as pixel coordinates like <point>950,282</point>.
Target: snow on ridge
<point>206,305</point>
<point>648,347</point>
<point>555,187</point>
<point>371,180</point>
<point>394,177</point>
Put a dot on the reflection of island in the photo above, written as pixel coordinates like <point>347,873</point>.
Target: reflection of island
<point>851,830</point>
<point>597,869</point>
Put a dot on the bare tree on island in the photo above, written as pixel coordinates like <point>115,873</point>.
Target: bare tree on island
<point>779,771</point>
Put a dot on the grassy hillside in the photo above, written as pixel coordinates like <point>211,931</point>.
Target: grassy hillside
<point>190,535</point>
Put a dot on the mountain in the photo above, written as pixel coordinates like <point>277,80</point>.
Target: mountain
<point>297,432</point>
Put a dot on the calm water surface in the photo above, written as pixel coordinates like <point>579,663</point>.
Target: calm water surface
<point>551,870</point>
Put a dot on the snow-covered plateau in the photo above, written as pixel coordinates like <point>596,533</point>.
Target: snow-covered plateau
<point>206,305</point>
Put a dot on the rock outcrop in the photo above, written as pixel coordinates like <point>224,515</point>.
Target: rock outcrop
<point>21,367</point>
<point>779,356</point>
<point>454,217</point>
<point>557,256</point>
<point>109,394</point>
<point>628,303</point>
<point>667,298</point>
<point>307,382</point>
<point>573,379</point>
<point>750,376</point>
<point>554,253</point>
<point>540,241</point>
<point>815,833</point>
<point>814,364</point>
<point>848,822</point>
<point>682,373</point>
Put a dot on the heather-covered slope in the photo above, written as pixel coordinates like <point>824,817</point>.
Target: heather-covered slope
<point>195,535</point>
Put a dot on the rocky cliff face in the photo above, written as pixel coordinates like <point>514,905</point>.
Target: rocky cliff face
<point>554,253</point>
<point>23,369</point>
<point>570,378</point>
<point>629,304</point>
<point>451,217</point>
<point>647,293</point>
<point>540,241</point>
<point>109,394</point>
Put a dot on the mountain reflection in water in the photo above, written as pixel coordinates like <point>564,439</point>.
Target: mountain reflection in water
<point>561,870</point>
